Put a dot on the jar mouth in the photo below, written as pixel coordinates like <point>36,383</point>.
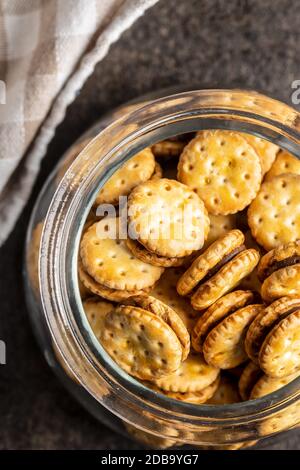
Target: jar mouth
<point>157,120</point>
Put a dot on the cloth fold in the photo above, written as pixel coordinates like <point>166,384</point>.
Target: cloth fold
<point>48,48</point>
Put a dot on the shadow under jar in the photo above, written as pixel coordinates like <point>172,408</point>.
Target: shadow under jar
<point>52,290</point>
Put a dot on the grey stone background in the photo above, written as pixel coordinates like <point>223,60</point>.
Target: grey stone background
<point>210,43</point>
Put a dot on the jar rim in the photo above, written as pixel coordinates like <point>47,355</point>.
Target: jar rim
<point>230,109</point>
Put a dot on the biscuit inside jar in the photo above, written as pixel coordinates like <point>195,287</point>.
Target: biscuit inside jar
<point>142,340</point>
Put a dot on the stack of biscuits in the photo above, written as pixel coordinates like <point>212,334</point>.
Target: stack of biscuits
<point>198,296</point>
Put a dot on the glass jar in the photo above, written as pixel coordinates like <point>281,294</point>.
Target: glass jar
<point>52,288</point>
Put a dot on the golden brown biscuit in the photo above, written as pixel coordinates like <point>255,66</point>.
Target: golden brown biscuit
<point>226,394</point>
<point>216,313</point>
<point>167,218</point>
<point>140,342</point>
<point>193,375</point>
<point>170,316</point>
<point>224,345</point>
<point>107,259</point>
<point>219,226</point>
<point>114,295</point>
<point>280,351</point>
<point>96,309</point>
<point>279,270</point>
<point>266,385</point>
<point>266,150</point>
<point>248,379</point>
<point>225,280</point>
<point>284,163</point>
<point>168,148</point>
<point>195,398</point>
<point>136,170</point>
<point>140,252</point>
<point>274,215</point>
<point>165,290</point>
<point>211,260</point>
<point>265,321</point>
<point>223,169</point>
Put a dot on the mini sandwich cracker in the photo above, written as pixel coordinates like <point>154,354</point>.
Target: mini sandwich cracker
<point>279,271</point>
<point>218,270</point>
<point>220,331</point>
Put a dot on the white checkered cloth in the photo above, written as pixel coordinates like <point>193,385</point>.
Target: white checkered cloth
<point>48,48</point>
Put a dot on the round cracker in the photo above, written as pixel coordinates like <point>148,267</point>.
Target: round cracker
<point>96,311</point>
<point>281,283</point>
<point>169,315</point>
<point>266,150</point>
<point>264,322</point>
<point>266,385</point>
<point>223,169</point>
<point>195,398</point>
<point>279,355</point>
<point>141,342</point>
<point>225,280</point>
<point>94,287</point>
<point>109,261</point>
<point>140,252</point>
<point>285,163</point>
<point>277,255</point>
<point>136,170</point>
<point>226,393</point>
<point>217,312</point>
<point>167,218</point>
<point>213,255</point>
<point>248,379</point>
<point>165,290</point>
<point>224,345</point>
<point>274,215</point>
<point>168,148</point>
<point>193,375</point>
<point>219,226</point>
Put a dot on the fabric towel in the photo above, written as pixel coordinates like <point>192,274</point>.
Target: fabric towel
<point>48,48</point>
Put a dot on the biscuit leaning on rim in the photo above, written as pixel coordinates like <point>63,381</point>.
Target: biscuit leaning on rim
<point>166,313</point>
<point>106,259</point>
<point>134,171</point>
<point>223,169</point>
<point>279,355</point>
<point>285,163</point>
<point>274,215</point>
<point>140,342</point>
<point>265,321</point>
<point>167,218</point>
<point>248,379</point>
<point>218,270</point>
<point>224,345</point>
<point>114,295</point>
<point>195,398</point>
<point>226,394</point>
<point>193,375</point>
<point>216,313</point>
<point>96,309</point>
<point>168,148</point>
<point>266,150</point>
<point>266,385</point>
<point>279,271</point>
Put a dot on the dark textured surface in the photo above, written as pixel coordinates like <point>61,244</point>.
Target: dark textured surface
<point>252,44</point>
